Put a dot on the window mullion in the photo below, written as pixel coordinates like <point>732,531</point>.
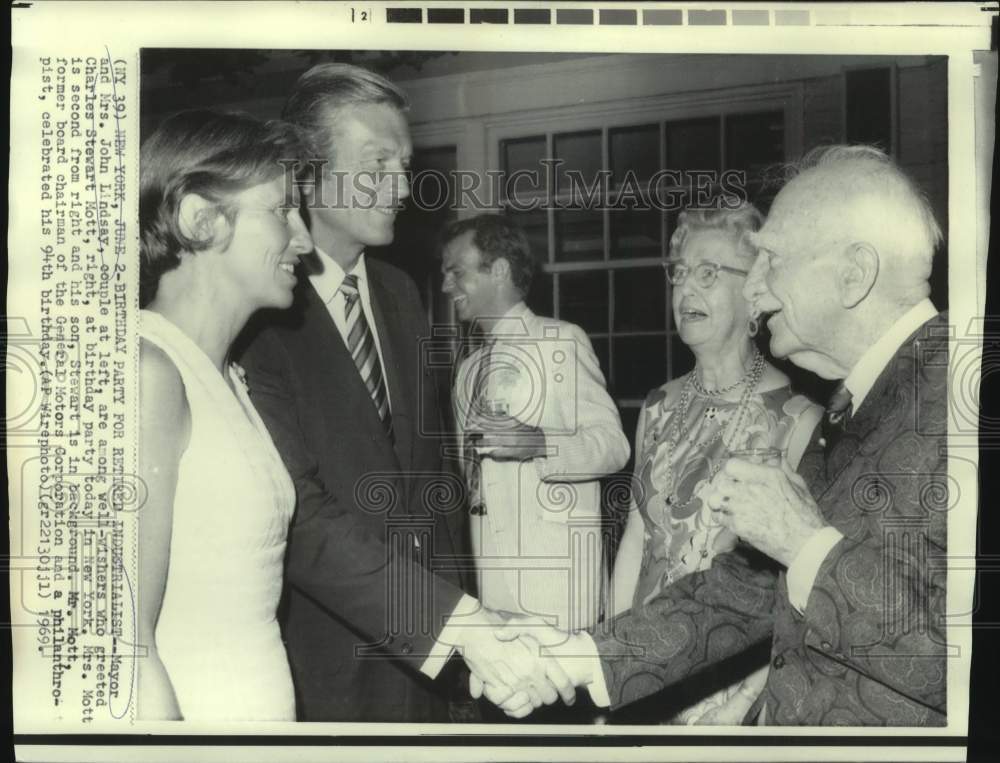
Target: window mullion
<point>606,226</point>
<point>550,224</point>
<point>569,242</point>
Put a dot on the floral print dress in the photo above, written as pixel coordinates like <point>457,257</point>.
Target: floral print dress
<point>681,534</point>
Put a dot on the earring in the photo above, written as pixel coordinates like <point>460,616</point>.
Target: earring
<point>753,326</point>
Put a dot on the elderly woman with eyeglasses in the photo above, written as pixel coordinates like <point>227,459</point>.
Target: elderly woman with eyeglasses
<point>733,400</point>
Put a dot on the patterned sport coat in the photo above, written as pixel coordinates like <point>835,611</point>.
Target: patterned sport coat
<point>869,649</point>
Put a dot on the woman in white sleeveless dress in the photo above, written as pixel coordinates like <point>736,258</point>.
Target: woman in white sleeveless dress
<point>220,239</point>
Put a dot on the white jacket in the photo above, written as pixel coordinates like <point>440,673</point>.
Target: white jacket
<point>538,548</point>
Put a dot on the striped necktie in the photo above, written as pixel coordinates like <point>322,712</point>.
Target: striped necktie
<point>361,344</point>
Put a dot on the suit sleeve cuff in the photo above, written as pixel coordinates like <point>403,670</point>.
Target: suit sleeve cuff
<point>597,687</point>
<point>443,648</point>
<point>804,568</point>
<point>565,450</point>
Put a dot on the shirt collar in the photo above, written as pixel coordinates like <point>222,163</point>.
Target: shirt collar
<point>511,322</point>
<point>874,360</point>
<point>327,281</point>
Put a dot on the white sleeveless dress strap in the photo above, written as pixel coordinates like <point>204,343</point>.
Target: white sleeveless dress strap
<point>217,633</point>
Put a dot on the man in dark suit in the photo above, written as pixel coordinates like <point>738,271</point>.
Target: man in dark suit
<point>855,606</point>
<point>339,382</point>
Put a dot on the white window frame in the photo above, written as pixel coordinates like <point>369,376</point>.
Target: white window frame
<point>609,115</point>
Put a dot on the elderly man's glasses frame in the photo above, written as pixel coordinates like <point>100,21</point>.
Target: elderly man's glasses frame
<point>705,273</point>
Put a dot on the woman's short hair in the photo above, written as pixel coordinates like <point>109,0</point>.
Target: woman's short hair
<point>326,89</point>
<point>496,236</point>
<point>213,155</point>
<point>736,222</point>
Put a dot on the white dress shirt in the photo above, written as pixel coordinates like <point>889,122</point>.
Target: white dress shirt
<point>870,365</point>
<point>327,284</point>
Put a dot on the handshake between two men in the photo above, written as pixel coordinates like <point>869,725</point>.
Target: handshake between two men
<point>520,663</point>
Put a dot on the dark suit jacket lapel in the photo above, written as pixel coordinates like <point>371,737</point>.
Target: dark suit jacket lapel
<point>401,378</point>
<point>881,401</point>
<point>344,377</point>
<point>326,338</point>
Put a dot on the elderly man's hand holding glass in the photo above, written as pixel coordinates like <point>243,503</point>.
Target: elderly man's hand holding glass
<point>766,504</point>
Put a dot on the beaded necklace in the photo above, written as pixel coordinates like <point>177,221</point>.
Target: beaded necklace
<point>749,380</point>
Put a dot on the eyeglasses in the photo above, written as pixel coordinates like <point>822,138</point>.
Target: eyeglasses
<point>705,273</point>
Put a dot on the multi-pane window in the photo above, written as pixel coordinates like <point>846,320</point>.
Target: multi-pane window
<point>600,243</point>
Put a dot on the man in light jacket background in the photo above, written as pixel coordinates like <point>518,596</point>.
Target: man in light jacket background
<point>537,430</point>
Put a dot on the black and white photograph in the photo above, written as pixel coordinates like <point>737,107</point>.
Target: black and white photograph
<point>619,233</point>
<point>499,389</point>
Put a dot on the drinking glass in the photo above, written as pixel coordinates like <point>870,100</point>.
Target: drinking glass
<point>767,456</point>
<point>497,408</point>
<point>495,412</point>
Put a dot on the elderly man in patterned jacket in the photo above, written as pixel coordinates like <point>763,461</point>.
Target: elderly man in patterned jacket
<point>836,564</point>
